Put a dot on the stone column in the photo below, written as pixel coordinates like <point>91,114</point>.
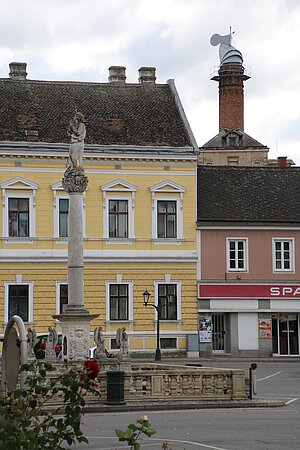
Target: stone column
<point>75,318</point>
<point>75,252</point>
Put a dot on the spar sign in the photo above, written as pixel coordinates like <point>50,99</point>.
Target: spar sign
<point>233,290</point>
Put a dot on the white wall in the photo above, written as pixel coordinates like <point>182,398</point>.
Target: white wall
<point>236,304</point>
<point>285,305</point>
<point>248,331</point>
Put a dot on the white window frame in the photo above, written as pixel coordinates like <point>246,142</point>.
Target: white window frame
<point>292,254</point>
<point>118,190</point>
<point>58,284</point>
<point>168,280</point>
<point>59,193</point>
<point>246,254</point>
<point>18,282</point>
<point>13,189</point>
<point>129,283</point>
<point>167,191</point>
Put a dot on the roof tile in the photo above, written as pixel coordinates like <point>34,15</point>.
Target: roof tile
<point>254,194</point>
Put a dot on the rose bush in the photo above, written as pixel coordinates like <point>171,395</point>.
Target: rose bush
<point>24,421</point>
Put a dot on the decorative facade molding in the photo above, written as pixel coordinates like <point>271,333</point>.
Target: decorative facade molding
<point>169,191</point>
<point>118,190</point>
<point>13,189</point>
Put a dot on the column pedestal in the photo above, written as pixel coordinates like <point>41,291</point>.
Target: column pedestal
<point>75,333</point>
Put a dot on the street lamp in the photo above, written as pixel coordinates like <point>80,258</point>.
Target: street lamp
<point>146,296</point>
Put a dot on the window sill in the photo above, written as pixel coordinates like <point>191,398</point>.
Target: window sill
<point>237,271</point>
<point>16,240</point>
<point>60,240</point>
<point>120,321</point>
<point>25,323</point>
<point>282,271</point>
<point>119,241</point>
<point>166,241</point>
<point>169,321</point>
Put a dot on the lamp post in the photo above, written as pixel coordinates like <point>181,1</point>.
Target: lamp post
<point>146,296</point>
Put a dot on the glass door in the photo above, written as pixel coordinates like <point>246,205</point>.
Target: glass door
<point>293,334</point>
<point>285,334</point>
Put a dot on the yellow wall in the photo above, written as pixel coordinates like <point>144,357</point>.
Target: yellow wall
<point>45,277</point>
<point>94,199</point>
<point>46,272</point>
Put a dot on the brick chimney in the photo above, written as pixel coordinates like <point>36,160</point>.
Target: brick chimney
<point>17,71</point>
<point>282,161</point>
<point>147,75</point>
<point>231,77</point>
<point>117,74</point>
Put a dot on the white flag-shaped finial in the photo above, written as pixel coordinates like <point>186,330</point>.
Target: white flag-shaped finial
<point>217,39</point>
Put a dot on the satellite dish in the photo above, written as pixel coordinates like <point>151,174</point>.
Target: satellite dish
<point>215,39</point>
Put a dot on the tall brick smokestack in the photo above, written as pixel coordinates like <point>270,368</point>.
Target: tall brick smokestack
<point>231,76</point>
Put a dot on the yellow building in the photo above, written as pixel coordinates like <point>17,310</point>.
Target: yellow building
<point>139,220</point>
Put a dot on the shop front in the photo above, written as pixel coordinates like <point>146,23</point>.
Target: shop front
<point>254,320</point>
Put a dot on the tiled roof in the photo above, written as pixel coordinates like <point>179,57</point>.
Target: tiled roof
<point>246,141</point>
<point>131,114</point>
<point>248,194</point>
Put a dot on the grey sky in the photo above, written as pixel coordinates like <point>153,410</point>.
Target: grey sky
<point>80,39</point>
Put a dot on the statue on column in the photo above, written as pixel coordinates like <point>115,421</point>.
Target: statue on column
<point>74,179</point>
<point>77,133</point>
<point>50,354</point>
<point>31,341</point>
<point>100,342</point>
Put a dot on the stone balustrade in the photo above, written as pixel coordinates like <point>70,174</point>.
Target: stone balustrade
<point>168,383</point>
<point>152,382</point>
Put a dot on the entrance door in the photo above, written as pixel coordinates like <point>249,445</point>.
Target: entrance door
<point>287,334</point>
<point>218,333</point>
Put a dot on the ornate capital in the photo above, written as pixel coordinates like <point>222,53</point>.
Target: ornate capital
<point>74,182</point>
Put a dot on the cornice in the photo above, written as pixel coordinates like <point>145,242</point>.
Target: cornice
<point>42,150</point>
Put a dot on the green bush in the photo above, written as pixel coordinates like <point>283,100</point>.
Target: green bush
<point>24,421</point>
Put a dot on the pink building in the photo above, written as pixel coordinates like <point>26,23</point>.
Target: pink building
<point>249,260</point>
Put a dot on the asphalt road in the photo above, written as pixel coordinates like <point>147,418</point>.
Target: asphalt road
<point>220,429</point>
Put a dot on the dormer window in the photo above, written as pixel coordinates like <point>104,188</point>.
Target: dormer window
<point>232,141</point>
<point>232,138</point>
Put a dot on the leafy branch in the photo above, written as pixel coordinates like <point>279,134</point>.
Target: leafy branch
<point>24,423</point>
<point>133,432</point>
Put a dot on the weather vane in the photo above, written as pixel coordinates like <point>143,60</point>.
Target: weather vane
<point>228,54</point>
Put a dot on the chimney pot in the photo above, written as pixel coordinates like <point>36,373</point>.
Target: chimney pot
<point>117,74</point>
<point>147,75</point>
<point>282,161</point>
<point>17,71</point>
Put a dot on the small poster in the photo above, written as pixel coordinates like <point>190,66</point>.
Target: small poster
<point>265,328</point>
<point>205,328</point>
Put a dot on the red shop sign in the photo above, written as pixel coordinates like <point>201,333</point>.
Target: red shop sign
<point>248,290</point>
